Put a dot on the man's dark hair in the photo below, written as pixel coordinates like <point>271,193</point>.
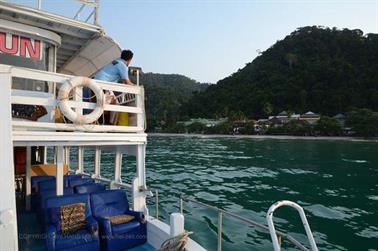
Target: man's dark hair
<point>127,55</point>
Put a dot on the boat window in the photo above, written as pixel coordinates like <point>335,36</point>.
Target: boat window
<point>28,84</point>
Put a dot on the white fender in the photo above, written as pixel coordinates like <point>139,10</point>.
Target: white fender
<point>67,111</point>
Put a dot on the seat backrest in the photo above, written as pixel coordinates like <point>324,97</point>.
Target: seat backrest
<point>46,185</point>
<point>78,182</point>
<point>47,194</point>
<point>89,188</point>
<point>58,201</point>
<point>109,203</point>
<point>68,178</point>
<point>36,179</point>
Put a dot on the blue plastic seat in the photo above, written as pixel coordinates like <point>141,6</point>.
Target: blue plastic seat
<point>35,180</point>
<point>120,236</point>
<point>83,240</point>
<point>47,189</point>
<point>41,208</point>
<point>68,178</point>
<point>43,186</point>
<point>90,188</point>
<point>78,240</point>
<point>46,185</point>
<point>78,182</point>
<point>124,228</point>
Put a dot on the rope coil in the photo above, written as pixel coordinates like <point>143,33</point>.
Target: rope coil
<point>176,243</point>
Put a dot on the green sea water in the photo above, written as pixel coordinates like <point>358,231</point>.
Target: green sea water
<point>335,181</point>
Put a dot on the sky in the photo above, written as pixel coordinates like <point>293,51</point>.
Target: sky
<point>208,40</point>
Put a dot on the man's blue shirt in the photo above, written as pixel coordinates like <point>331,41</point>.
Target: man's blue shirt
<point>113,72</point>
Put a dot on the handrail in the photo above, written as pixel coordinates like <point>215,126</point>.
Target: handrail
<point>157,203</point>
<point>222,212</point>
<point>129,93</point>
<point>153,193</point>
<point>300,210</point>
<point>94,4</point>
<point>105,180</point>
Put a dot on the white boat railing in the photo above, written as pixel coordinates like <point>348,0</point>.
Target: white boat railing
<point>113,182</point>
<point>221,213</point>
<point>88,11</point>
<point>135,109</point>
<point>272,230</point>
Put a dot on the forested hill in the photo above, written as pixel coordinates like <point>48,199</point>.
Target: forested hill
<point>165,93</point>
<point>319,69</point>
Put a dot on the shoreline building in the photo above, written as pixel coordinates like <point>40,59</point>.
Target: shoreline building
<point>310,117</point>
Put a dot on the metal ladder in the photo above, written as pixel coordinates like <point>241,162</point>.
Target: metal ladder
<point>272,230</point>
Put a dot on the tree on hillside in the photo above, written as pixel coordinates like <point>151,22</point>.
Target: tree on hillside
<point>165,94</point>
<point>268,109</point>
<point>328,126</point>
<point>293,127</point>
<point>313,68</point>
<point>364,122</point>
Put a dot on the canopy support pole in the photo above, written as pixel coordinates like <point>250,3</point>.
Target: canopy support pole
<point>8,213</point>
<point>80,156</point>
<point>28,178</point>
<point>139,182</point>
<point>97,173</point>
<point>59,170</point>
<point>118,166</point>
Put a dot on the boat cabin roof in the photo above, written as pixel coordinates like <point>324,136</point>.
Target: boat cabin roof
<point>84,46</point>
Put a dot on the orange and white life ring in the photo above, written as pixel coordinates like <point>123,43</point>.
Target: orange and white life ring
<point>64,94</point>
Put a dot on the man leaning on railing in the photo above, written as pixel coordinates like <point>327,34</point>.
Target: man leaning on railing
<point>117,71</point>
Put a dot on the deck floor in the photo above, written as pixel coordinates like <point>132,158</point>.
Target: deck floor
<point>30,235</point>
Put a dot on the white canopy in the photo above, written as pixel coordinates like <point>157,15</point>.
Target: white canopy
<point>92,57</point>
<point>84,48</point>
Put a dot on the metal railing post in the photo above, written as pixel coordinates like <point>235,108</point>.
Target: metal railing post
<point>220,219</point>
<point>181,205</point>
<point>137,77</point>
<point>77,15</point>
<point>139,99</point>
<point>90,15</point>
<point>272,229</point>
<point>97,164</point>
<point>80,160</point>
<point>67,157</point>
<point>157,203</point>
<point>28,177</point>
<point>39,4</point>
<point>280,235</point>
<point>118,166</point>
<point>97,12</point>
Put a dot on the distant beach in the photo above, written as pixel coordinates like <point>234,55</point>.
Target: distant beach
<point>279,137</point>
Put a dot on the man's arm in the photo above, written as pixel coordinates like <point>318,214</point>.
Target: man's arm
<point>124,74</point>
<point>127,82</point>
